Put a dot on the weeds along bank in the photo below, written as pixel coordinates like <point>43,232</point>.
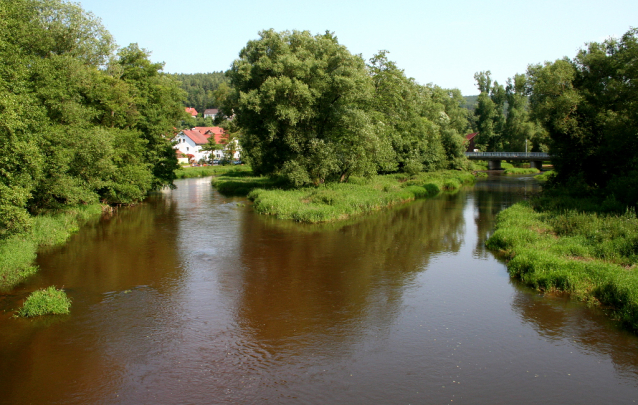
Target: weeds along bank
<point>338,201</point>
<point>188,172</point>
<point>589,253</point>
<point>18,252</point>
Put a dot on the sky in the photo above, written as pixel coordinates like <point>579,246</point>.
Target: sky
<point>444,42</point>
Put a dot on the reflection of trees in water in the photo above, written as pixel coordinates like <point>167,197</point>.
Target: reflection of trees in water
<point>306,284</point>
<point>493,195</point>
<point>562,319</point>
<point>124,250</point>
<point>56,359</point>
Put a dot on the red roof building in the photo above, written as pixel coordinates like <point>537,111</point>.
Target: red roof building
<point>469,141</point>
<point>217,132</point>
<point>191,111</point>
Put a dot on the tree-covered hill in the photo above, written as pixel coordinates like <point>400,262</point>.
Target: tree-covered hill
<point>201,89</point>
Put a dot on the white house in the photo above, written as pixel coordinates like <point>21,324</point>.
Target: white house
<point>211,113</point>
<point>190,142</point>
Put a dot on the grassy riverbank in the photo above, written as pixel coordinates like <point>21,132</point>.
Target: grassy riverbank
<point>188,172</point>
<point>18,252</point>
<point>590,253</point>
<point>521,170</point>
<point>338,201</point>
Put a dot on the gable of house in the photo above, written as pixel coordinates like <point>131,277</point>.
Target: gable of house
<point>211,112</point>
<point>218,133</point>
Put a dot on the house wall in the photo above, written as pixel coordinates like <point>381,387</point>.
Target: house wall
<point>187,146</point>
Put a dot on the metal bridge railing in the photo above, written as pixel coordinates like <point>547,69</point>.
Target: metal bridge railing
<point>507,155</point>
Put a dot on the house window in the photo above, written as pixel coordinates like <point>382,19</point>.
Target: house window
<point>187,149</point>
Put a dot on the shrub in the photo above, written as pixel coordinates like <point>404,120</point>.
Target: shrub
<point>44,302</point>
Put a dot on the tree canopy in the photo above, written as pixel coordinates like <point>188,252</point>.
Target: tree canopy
<point>311,111</point>
<point>79,123</point>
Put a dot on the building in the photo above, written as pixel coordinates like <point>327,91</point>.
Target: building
<point>211,113</point>
<point>469,142</point>
<point>191,111</point>
<point>191,141</point>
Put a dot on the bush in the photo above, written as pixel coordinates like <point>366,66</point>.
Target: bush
<point>44,302</point>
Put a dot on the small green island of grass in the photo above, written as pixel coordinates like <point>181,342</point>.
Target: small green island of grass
<point>338,201</point>
<point>45,302</point>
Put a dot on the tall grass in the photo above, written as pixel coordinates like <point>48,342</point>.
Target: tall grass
<point>45,302</point>
<point>591,255</point>
<point>18,252</point>
<point>339,201</point>
<point>187,172</point>
<point>521,170</point>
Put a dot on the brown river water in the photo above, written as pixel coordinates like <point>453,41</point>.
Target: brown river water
<point>192,298</point>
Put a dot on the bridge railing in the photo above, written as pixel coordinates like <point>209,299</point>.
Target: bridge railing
<point>508,155</point>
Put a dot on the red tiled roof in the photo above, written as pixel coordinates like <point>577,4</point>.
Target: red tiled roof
<point>217,132</point>
<point>191,111</point>
<point>196,136</point>
<point>470,136</point>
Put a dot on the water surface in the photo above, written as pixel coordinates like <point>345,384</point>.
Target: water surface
<point>194,298</point>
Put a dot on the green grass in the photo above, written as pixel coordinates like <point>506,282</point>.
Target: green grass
<point>45,302</point>
<point>593,256</point>
<point>204,171</point>
<point>544,176</point>
<point>521,170</point>
<point>18,252</point>
<point>339,201</point>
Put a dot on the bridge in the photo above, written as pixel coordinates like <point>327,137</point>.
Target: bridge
<point>494,158</point>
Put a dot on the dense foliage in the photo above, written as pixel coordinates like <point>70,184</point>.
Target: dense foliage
<point>202,89</point>
<point>589,106</point>
<point>311,111</point>
<point>79,122</point>
<point>502,116</point>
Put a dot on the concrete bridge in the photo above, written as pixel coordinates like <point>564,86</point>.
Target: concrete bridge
<point>494,158</point>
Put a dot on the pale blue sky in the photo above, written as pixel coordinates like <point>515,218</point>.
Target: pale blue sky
<point>442,42</point>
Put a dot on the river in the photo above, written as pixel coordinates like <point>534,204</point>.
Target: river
<point>192,298</point>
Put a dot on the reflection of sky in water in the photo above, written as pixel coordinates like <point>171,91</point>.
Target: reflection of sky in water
<point>192,298</point>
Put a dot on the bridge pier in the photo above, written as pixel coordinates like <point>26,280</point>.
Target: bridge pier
<point>494,165</point>
<point>536,164</point>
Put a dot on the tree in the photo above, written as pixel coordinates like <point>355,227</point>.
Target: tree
<point>158,103</point>
<point>589,106</point>
<point>489,112</point>
<point>302,103</point>
<point>77,124</point>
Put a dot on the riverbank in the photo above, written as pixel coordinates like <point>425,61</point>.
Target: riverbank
<point>592,256</point>
<point>18,252</point>
<point>188,172</point>
<point>339,201</point>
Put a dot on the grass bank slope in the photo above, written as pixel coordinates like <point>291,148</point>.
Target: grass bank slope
<point>593,256</point>
<point>18,252</point>
<point>339,201</point>
<point>188,172</point>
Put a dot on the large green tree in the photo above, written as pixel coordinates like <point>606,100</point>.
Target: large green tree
<point>78,124</point>
<point>489,112</point>
<point>303,104</point>
<point>589,106</point>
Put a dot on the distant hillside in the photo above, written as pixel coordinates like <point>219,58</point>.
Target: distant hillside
<point>200,88</point>
<point>470,102</point>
